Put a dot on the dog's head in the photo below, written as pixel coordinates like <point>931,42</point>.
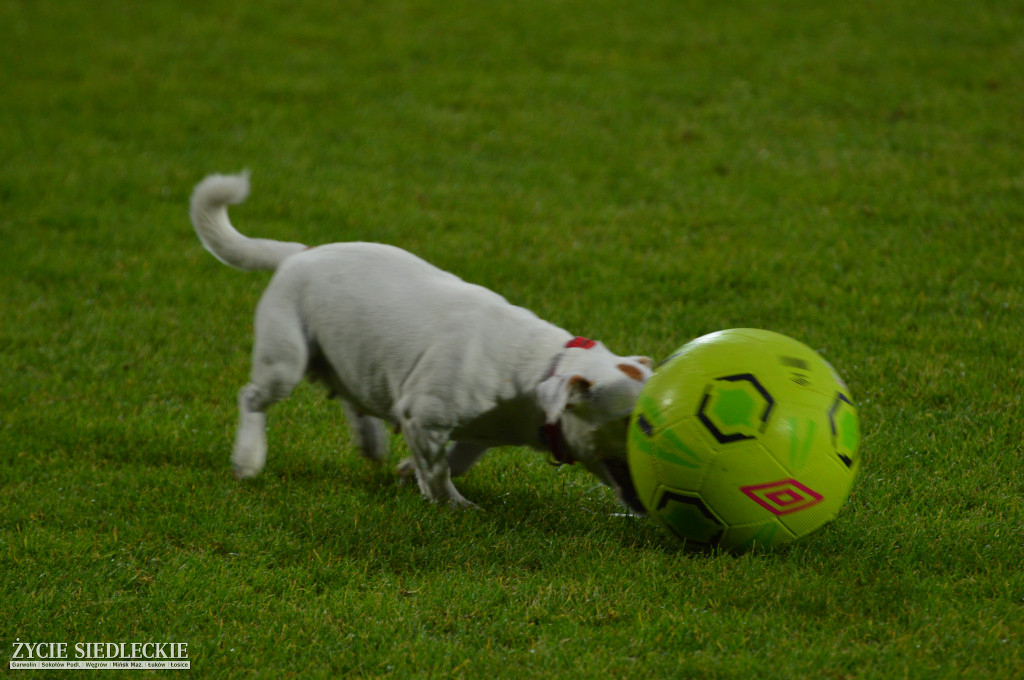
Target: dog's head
<point>588,400</point>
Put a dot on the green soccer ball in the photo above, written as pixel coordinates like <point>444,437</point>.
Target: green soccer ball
<point>744,438</point>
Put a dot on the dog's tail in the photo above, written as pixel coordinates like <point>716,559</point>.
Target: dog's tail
<point>209,212</point>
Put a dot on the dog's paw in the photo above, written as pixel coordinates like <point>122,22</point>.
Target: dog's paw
<point>461,503</point>
<point>245,472</point>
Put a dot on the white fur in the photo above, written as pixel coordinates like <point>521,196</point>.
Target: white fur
<point>453,365</point>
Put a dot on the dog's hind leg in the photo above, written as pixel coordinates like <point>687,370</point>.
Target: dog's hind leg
<point>369,434</point>
<point>279,362</point>
<point>250,451</point>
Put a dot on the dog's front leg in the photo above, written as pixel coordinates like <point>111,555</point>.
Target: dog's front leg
<point>368,433</point>
<point>428,448</point>
<point>432,471</point>
<point>461,456</point>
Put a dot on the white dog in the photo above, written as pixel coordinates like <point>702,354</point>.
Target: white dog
<point>453,365</point>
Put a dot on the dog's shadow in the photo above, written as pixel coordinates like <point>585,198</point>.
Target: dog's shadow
<point>518,520</point>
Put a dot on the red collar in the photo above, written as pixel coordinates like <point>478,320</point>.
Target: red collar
<point>551,435</point>
<point>581,342</point>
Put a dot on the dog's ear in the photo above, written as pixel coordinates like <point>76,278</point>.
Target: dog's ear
<point>560,392</point>
<point>645,361</point>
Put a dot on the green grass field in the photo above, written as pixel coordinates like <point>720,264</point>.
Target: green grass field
<point>851,174</point>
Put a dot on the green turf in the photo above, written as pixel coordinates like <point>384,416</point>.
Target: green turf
<point>846,173</point>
